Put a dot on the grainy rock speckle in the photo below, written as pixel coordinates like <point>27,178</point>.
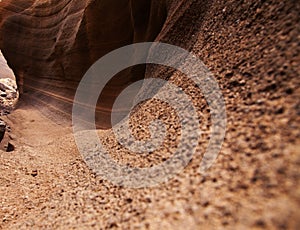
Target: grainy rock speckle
<point>252,47</point>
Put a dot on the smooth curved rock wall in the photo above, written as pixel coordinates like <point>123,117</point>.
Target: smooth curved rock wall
<point>51,44</point>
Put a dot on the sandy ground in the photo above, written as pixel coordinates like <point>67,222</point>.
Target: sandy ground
<point>45,184</point>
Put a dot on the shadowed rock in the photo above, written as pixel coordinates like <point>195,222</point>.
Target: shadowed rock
<point>51,44</point>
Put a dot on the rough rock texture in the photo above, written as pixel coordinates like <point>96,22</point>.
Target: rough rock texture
<point>8,87</point>
<point>252,47</point>
<point>5,70</point>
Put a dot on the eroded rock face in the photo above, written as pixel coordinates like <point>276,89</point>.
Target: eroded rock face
<point>51,44</point>
<point>8,87</point>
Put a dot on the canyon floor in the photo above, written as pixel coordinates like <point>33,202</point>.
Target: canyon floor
<point>45,184</point>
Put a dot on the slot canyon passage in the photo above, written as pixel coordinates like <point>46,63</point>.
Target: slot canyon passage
<point>252,47</point>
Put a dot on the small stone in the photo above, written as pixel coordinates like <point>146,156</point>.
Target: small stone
<point>2,129</point>
<point>229,73</point>
<point>10,147</point>
<point>34,173</point>
<point>129,200</point>
<point>279,110</point>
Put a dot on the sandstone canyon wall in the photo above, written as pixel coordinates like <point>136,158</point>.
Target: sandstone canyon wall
<point>51,44</point>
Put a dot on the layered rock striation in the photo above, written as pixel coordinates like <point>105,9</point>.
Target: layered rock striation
<point>51,44</point>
